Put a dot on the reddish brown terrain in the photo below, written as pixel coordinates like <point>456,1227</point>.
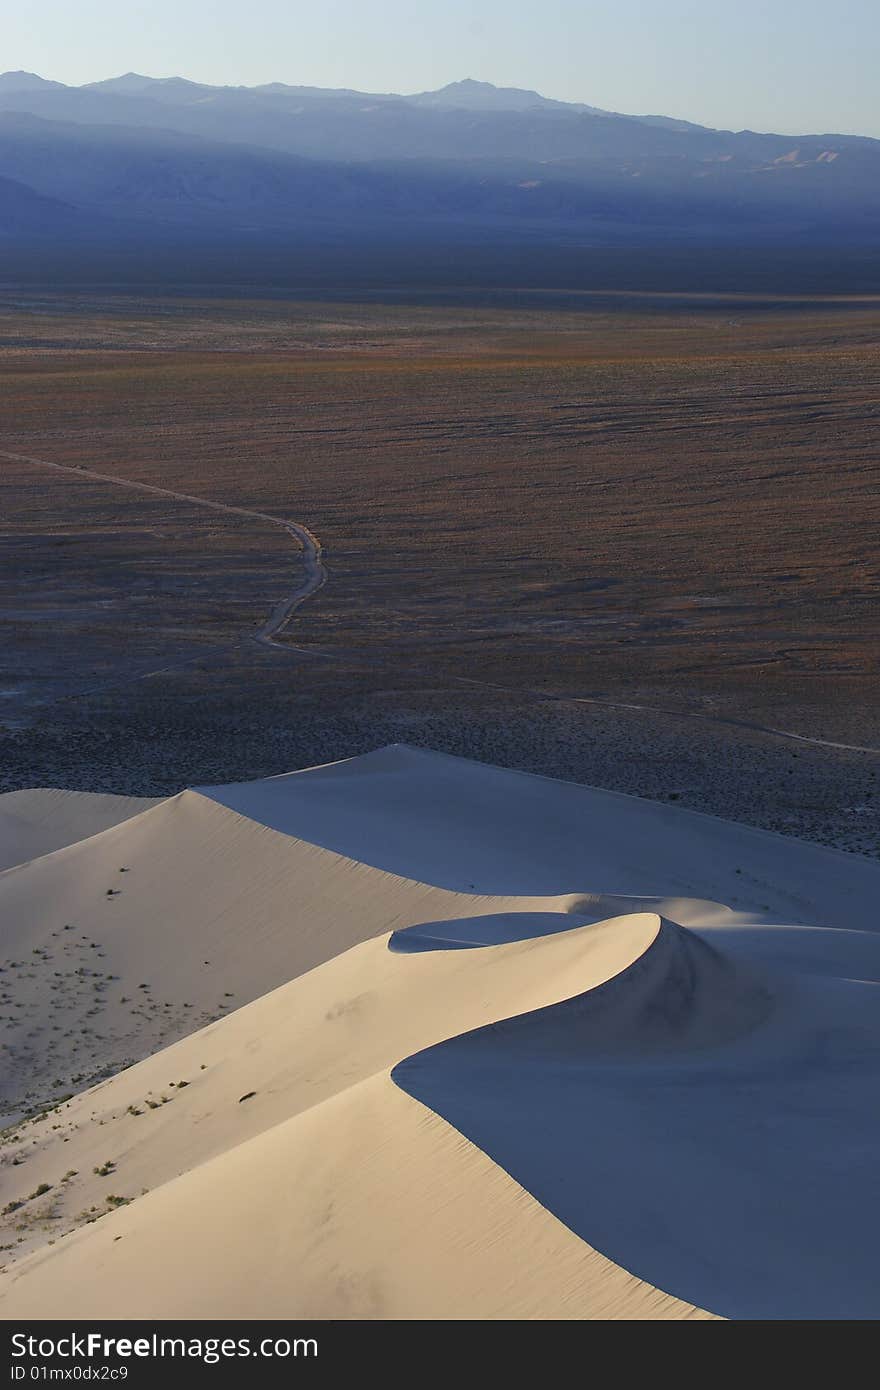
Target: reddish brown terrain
<point>656,502</point>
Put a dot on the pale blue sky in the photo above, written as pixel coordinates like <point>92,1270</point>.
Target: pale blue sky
<point>786,65</point>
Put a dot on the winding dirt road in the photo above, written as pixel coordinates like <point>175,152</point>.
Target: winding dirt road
<point>315,572</point>
<point>315,577</point>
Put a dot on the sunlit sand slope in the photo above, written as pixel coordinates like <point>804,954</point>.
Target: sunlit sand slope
<point>137,936</point>
<point>311,1186</point>
<point>38,821</point>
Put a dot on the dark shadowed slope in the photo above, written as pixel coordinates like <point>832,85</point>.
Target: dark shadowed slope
<point>26,214</point>
<point>468,827</point>
<point>705,1127</point>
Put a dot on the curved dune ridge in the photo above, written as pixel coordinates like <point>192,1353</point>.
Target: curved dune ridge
<point>590,1058</point>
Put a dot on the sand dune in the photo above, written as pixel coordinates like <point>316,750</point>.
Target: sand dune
<point>36,822</point>
<point>360,1013</point>
<point>473,828</point>
<point>325,1036</point>
<point>367,1206</point>
<point>135,937</point>
<point>728,1149</point>
<point>365,1095</point>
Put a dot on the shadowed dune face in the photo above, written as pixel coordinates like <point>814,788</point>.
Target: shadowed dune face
<point>471,828</point>
<point>468,933</point>
<point>581,909</point>
<point>681,994</point>
<point>704,1127</point>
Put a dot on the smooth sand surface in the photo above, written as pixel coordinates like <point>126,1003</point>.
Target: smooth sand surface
<point>129,940</point>
<point>473,828</point>
<point>366,1207</point>
<point>362,1094</point>
<point>317,1053</point>
<point>38,821</point>
<point>728,1147</point>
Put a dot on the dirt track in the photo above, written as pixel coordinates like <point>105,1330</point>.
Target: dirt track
<point>315,575</point>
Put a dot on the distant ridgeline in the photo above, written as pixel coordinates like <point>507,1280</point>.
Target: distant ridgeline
<point>138,162</point>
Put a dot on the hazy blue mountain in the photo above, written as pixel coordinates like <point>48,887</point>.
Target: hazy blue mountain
<point>471,95</point>
<point>167,177</point>
<point>463,121</point>
<point>24,82</point>
<point>149,155</point>
<point>24,213</point>
<point>159,88</point>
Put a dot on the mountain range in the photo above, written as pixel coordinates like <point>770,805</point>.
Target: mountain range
<point>140,160</point>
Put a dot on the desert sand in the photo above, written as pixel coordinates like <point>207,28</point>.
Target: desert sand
<point>33,823</point>
<point>411,1037</point>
